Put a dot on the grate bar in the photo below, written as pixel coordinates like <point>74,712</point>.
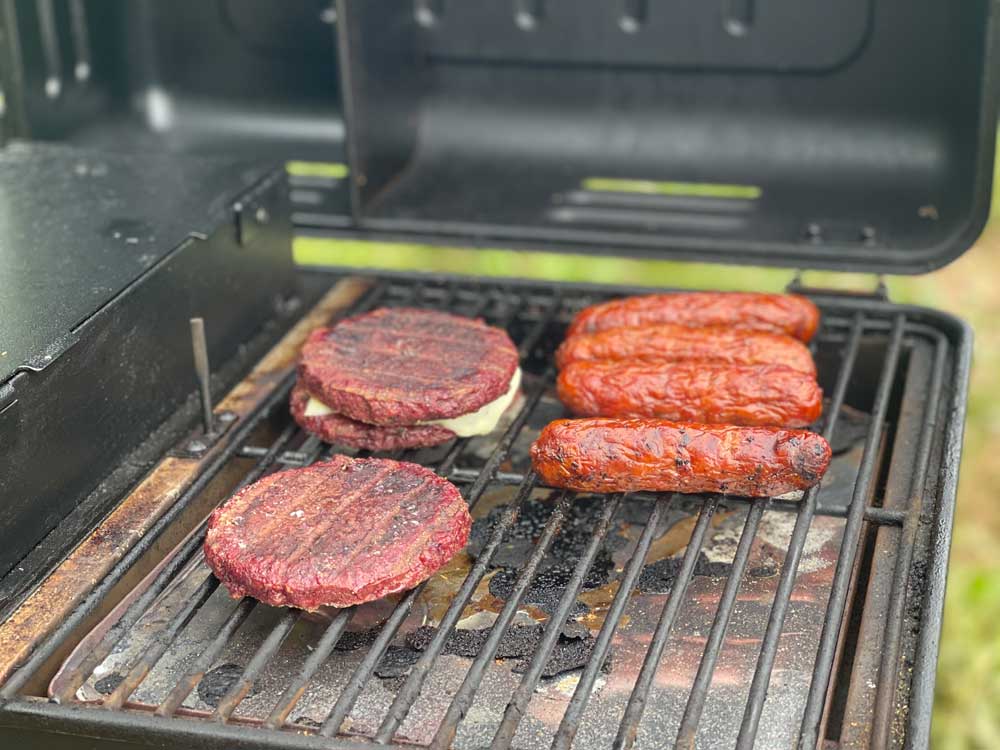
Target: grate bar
<point>184,687</point>
<point>117,631</point>
<point>571,719</point>
<point>849,546</point>
<point>463,699</point>
<point>407,695</point>
<point>629,728</point>
<point>159,645</point>
<point>789,570</point>
<point>169,571</point>
<point>522,696</point>
<point>886,692</point>
<point>364,670</point>
<point>688,729</point>
<point>257,664</point>
<point>316,659</point>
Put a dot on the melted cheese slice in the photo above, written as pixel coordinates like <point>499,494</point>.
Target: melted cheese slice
<point>480,422</point>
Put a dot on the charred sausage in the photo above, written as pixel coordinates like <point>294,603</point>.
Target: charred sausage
<point>669,342</point>
<point>778,313</point>
<point>772,395</point>
<point>629,455</point>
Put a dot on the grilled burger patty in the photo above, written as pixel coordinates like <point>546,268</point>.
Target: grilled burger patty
<point>692,392</point>
<point>669,342</point>
<point>337,533</point>
<point>334,428</point>
<point>630,455</point>
<point>778,313</point>
<point>400,366</point>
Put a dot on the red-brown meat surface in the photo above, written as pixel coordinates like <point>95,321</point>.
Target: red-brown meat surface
<point>629,455</point>
<point>778,313</point>
<point>692,392</point>
<point>337,429</point>
<point>399,366</point>
<point>669,342</point>
<point>337,533</point>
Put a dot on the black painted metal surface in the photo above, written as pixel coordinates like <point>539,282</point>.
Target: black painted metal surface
<point>103,258</point>
<point>862,350</point>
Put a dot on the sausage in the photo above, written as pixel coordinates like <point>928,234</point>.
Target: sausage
<point>630,455</point>
<point>778,313</point>
<point>669,342</point>
<point>692,392</point>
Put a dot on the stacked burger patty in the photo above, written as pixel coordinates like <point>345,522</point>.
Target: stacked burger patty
<point>404,378</point>
<point>351,530</point>
<point>688,392</point>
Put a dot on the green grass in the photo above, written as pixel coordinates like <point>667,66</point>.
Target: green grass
<point>967,709</point>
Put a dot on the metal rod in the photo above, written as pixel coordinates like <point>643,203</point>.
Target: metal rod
<point>316,659</point>
<point>160,643</point>
<point>414,682</point>
<point>849,546</point>
<point>571,718</point>
<point>50,48</point>
<point>81,40</point>
<point>197,671</point>
<point>522,696</point>
<point>790,567</point>
<point>886,692</point>
<point>463,699</point>
<point>628,729</point>
<point>258,662</point>
<point>688,729</point>
<point>202,369</point>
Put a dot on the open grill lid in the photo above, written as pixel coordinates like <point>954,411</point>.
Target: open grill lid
<point>853,136</point>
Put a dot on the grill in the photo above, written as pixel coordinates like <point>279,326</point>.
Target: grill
<point>134,202</point>
<point>627,621</point>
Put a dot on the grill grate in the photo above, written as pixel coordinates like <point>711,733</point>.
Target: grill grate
<point>853,334</point>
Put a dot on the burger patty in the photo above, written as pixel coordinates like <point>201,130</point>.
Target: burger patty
<point>337,533</point>
<point>399,366</point>
<point>338,429</point>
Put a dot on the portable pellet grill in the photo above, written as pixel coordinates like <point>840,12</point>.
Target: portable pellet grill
<point>136,194</point>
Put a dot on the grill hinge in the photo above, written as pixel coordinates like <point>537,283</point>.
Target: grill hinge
<point>880,292</point>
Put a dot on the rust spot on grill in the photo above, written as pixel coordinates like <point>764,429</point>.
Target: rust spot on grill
<point>91,561</point>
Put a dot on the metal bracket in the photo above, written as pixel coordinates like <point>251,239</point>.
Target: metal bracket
<point>255,210</point>
<point>880,292</point>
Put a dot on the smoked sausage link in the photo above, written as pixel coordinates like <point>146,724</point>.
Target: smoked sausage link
<point>669,342</point>
<point>772,395</point>
<point>631,455</point>
<point>778,313</point>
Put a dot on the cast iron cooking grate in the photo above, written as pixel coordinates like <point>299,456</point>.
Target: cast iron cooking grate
<point>710,621</point>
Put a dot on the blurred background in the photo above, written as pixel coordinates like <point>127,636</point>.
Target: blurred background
<point>967,710</point>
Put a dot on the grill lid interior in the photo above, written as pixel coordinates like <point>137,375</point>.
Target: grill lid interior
<point>799,134</point>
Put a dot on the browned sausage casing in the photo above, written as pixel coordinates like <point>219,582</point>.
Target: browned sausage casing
<point>692,392</point>
<point>629,455</point>
<point>778,313</point>
<point>669,342</point>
